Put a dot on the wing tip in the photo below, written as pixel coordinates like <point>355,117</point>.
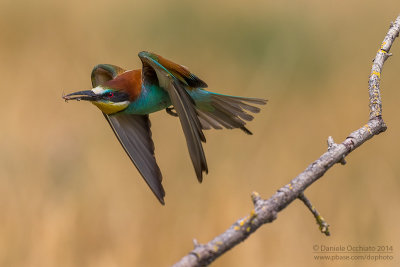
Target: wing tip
<point>158,192</point>
<point>247,131</point>
<point>161,200</point>
<point>199,174</point>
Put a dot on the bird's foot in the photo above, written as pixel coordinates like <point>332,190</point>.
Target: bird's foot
<point>171,112</point>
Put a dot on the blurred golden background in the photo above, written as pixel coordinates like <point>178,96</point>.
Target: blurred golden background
<point>69,196</point>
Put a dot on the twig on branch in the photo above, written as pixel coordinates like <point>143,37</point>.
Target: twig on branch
<point>331,145</point>
<point>265,211</point>
<point>323,225</point>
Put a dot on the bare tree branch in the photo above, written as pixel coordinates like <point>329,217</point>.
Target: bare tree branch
<point>265,211</point>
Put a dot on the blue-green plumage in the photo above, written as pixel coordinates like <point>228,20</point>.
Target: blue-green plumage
<point>152,98</point>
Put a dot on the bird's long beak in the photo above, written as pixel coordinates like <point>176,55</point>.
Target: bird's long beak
<point>87,95</point>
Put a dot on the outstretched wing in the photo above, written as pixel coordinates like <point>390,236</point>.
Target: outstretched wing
<point>104,72</point>
<point>174,78</point>
<point>133,132</point>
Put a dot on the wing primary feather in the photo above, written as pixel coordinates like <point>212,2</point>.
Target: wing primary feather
<point>191,127</point>
<point>133,133</point>
<point>184,106</point>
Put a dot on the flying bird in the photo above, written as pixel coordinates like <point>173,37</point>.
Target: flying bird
<point>127,97</point>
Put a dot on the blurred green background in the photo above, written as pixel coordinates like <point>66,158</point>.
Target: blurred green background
<point>69,196</point>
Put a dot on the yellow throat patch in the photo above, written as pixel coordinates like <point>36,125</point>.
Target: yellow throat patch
<point>111,107</point>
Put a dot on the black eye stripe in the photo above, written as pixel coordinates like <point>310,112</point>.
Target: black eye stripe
<point>116,96</point>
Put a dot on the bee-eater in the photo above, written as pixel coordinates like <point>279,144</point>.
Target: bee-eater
<point>126,98</point>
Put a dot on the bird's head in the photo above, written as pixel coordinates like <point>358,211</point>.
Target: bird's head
<point>108,100</point>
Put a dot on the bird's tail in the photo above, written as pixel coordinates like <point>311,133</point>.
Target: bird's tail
<point>223,111</point>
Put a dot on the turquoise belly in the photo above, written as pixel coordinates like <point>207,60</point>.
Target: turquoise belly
<point>151,99</point>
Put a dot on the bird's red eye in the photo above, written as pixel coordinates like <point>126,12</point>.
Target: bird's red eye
<point>110,94</point>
